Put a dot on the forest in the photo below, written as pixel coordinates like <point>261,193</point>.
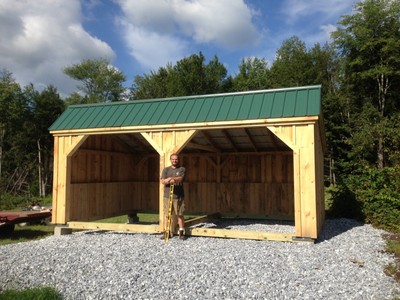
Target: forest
<point>359,70</point>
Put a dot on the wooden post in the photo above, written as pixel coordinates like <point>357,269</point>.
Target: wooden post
<point>167,143</point>
<point>64,148</point>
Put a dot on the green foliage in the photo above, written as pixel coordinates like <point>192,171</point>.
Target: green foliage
<point>369,42</point>
<point>40,293</point>
<point>342,203</point>
<point>101,82</point>
<point>378,192</point>
<point>292,64</point>
<point>190,76</point>
<point>253,75</point>
<point>9,201</point>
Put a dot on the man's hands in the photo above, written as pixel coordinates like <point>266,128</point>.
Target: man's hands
<point>168,180</point>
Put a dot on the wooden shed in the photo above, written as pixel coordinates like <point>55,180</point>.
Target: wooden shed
<point>256,154</point>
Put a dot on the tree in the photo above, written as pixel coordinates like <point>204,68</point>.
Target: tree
<point>14,145</point>
<point>292,65</point>
<point>190,76</point>
<point>253,75</point>
<point>101,81</point>
<point>370,43</point>
<point>46,107</point>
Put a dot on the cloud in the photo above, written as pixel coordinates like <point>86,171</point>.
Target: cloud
<point>152,49</point>
<point>158,32</point>
<point>295,9</point>
<point>38,39</point>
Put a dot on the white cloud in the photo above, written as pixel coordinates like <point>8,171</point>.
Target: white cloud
<point>38,39</point>
<point>158,32</point>
<point>152,49</point>
<point>295,9</point>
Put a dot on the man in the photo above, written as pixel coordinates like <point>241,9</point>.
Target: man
<point>175,174</point>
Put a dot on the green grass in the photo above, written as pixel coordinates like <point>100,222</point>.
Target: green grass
<point>393,246</point>
<point>43,293</point>
<point>26,234</point>
<point>143,217</point>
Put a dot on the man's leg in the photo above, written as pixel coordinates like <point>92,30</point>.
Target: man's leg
<point>181,219</point>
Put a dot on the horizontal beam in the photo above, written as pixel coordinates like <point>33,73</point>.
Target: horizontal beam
<point>202,219</point>
<point>190,126</point>
<point>115,227</point>
<point>205,232</point>
<point>240,234</point>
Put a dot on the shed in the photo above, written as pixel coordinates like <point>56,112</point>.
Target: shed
<point>255,154</point>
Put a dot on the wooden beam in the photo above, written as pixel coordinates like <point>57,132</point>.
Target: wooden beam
<point>209,140</point>
<point>253,144</point>
<point>229,138</point>
<point>240,234</point>
<point>201,147</point>
<point>114,227</point>
<point>201,219</point>
<point>206,232</point>
<point>191,126</point>
<point>131,140</point>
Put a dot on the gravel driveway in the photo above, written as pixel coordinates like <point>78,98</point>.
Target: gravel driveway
<point>346,262</point>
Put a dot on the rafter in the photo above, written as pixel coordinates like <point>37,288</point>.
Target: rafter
<point>253,144</point>
<point>229,138</point>
<point>209,140</point>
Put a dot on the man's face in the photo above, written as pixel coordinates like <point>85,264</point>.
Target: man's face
<point>174,160</point>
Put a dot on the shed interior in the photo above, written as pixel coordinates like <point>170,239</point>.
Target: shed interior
<point>246,172</point>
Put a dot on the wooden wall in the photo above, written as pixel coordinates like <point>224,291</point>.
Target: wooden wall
<point>252,184</point>
<point>107,179</point>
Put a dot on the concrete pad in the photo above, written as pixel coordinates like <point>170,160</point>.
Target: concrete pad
<point>62,230</point>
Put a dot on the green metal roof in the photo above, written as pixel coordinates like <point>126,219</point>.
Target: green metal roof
<point>265,104</point>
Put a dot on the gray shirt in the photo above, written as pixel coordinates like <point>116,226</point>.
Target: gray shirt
<point>178,187</point>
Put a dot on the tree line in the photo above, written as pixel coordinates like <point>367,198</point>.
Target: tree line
<point>359,71</point>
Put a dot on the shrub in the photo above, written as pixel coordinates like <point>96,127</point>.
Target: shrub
<point>8,201</point>
<point>378,193</point>
<point>342,203</point>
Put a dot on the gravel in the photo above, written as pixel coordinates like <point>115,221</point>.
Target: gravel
<point>346,262</point>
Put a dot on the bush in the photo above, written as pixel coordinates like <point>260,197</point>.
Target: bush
<point>378,194</point>
<point>342,203</point>
<point>8,201</point>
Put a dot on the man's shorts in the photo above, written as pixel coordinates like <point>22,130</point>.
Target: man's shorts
<point>178,206</point>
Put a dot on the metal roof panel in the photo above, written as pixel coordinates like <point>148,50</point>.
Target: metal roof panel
<point>265,104</point>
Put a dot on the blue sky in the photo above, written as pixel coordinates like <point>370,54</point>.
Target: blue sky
<point>40,38</point>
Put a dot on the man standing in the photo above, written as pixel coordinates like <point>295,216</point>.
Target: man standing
<point>175,174</point>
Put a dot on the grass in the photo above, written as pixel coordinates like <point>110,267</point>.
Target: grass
<point>143,217</point>
<point>393,247</point>
<point>26,234</point>
<point>43,293</point>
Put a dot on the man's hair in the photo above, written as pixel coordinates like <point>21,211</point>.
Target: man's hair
<point>174,154</point>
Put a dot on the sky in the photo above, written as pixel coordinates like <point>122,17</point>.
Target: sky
<point>38,39</point>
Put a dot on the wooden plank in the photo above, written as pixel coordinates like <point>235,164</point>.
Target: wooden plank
<point>308,188</point>
<point>190,126</point>
<point>56,170</point>
<point>240,234</point>
<point>61,182</point>
<point>296,192</point>
<point>202,219</point>
<point>206,232</point>
<point>115,227</point>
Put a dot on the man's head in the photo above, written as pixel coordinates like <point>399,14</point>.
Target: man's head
<point>174,160</point>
